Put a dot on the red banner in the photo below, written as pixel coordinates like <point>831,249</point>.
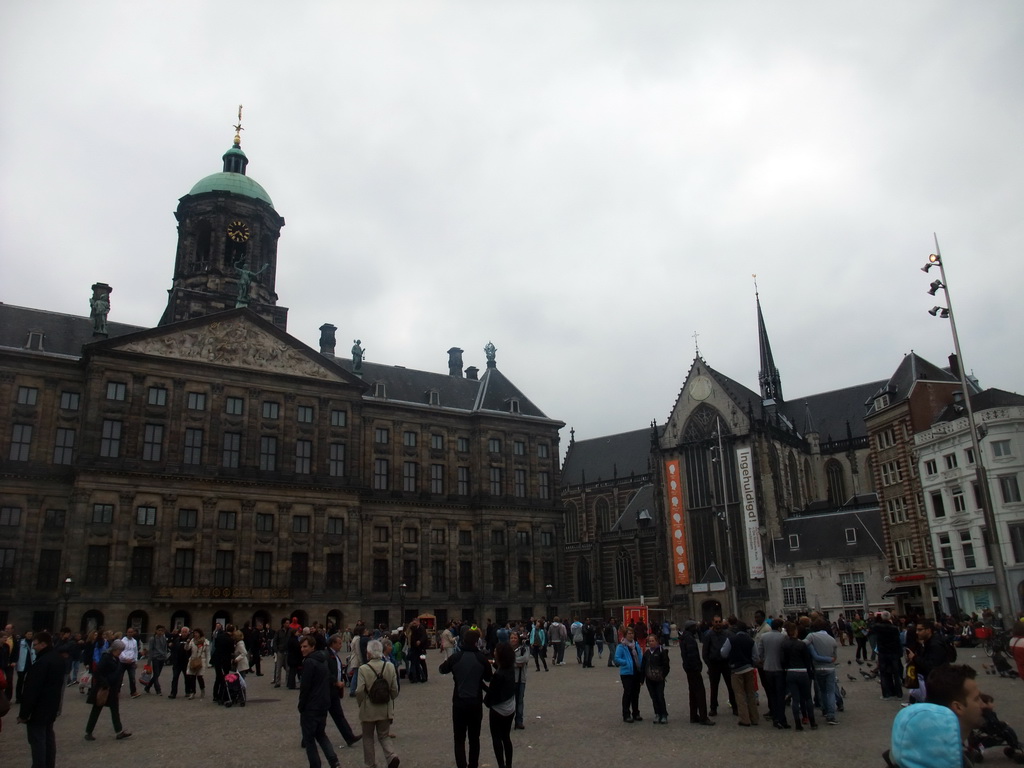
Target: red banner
<point>677,521</point>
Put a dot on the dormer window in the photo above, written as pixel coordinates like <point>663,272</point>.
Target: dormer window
<point>794,541</point>
<point>35,341</point>
<point>513,404</point>
<point>882,401</point>
<point>380,389</point>
<point>433,397</point>
<point>851,535</point>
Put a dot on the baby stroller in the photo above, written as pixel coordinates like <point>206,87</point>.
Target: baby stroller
<point>234,686</point>
<point>993,733</point>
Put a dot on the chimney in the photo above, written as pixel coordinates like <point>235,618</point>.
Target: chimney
<point>455,362</point>
<point>327,340</point>
<point>954,366</point>
<point>471,373</point>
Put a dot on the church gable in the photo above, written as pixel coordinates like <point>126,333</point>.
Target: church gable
<point>236,339</point>
<point>704,394</point>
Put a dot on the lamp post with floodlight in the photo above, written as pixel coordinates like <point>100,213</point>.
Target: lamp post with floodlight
<point>993,539</point>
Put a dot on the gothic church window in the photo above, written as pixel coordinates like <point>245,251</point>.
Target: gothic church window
<point>602,514</point>
<point>572,524</point>
<point>836,482</point>
<point>623,576</point>
<point>583,591</point>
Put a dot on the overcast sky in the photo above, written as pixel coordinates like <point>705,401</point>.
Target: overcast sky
<point>586,185</point>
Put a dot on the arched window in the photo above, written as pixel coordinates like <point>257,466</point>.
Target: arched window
<point>602,514</point>
<point>835,480</point>
<point>794,482</point>
<point>572,524</point>
<point>583,592</point>
<point>623,576</point>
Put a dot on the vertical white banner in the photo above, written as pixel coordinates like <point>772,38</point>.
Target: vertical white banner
<point>751,527</point>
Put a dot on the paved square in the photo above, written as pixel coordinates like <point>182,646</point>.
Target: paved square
<point>572,720</point>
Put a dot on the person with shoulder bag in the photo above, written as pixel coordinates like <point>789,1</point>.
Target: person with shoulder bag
<point>655,667</point>
<point>106,686</point>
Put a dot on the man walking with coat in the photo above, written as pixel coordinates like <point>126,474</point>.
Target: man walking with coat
<point>41,701</point>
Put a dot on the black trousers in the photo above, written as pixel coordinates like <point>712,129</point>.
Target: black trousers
<point>43,744</point>
<point>467,716</point>
<point>698,696</point>
<point>631,685</point>
<point>338,716</point>
<point>720,671</point>
<point>775,690</point>
<point>177,669</point>
<point>314,734</point>
<point>501,737</point>
<point>657,692</point>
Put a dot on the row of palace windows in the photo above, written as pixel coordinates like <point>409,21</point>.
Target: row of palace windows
<point>141,571</point>
<point>117,391</point>
<point>265,522</point>
<point>410,439</point>
<point>411,482</point>
<point>186,518</point>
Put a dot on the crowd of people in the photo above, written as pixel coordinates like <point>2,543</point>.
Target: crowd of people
<point>791,665</point>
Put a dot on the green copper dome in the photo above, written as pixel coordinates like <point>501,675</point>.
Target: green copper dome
<point>233,178</point>
<point>231,182</point>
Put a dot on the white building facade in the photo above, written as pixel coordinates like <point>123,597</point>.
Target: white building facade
<point>953,500</point>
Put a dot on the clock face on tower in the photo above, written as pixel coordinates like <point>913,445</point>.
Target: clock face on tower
<point>238,231</point>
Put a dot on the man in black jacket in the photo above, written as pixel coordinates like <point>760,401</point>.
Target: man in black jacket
<point>932,652</point>
<point>689,649</point>
<point>890,656</point>
<point>718,665</point>
<point>222,654</point>
<point>336,676</point>
<point>41,700</point>
<point>314,704</point>
<point>470,669</point>
<point>177,656</point>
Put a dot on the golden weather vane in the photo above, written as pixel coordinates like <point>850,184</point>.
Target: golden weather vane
<point>238,128</point>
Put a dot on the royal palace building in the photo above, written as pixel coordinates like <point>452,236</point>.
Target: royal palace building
<point>215,468</point>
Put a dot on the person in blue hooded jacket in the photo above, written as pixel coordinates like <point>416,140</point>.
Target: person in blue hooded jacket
<point>926,736</point>
<point>627,658</point>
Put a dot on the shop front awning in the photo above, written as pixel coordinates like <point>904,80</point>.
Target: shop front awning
<point>903,591</point>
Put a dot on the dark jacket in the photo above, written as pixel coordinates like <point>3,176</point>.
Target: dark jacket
<point>713,643</point>
<point>334,664</point>
<point>223,649</point>
<point>655,659</point>
<point>470,669</point>
<point>502,688</point>
<point>741,651</point>
<point>315,689</point>
<point>932,654</point>
<point>107,675</point>
<point>44,688</point>
<point>796,655</point>
<point>689,650</point>
<point>887,637</point>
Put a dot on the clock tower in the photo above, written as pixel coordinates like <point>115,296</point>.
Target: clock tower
<point>227,245</point>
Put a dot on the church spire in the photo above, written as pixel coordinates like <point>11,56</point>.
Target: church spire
<point>768,376</point>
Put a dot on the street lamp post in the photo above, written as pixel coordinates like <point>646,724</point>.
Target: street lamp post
<point>992,541</point>
<point>549,590</point>
<point>402,588</point>
<point>68,583</point>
